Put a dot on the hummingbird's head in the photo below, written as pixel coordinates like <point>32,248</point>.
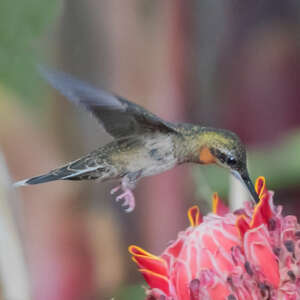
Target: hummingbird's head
<point>225,148</point>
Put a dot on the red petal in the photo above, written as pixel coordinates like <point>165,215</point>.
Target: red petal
<point>174,249</point>
<point>242,225</point>
<point>146,260</point>
<point>262,212</point>
<point>194,216</point>
<point>226,237</point>
<point>210,284</point>
<point>219,292</point>
<point>156,281</point>
<point>259,253</point>
<point>180,280</point>
<point>219,208</point>
<point>204,260</point>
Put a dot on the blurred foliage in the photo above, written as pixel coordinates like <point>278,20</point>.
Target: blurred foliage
<point>22,24</point>
<point>133,292</point>
<point>279,164</point>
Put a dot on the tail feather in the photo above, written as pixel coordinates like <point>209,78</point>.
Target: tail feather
<point>37,180</point>
<point>20,183</point>
<point>64,173</point>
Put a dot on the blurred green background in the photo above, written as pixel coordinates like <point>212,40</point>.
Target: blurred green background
<point>230,64</point>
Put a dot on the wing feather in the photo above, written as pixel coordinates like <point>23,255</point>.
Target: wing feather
<point>118,116</point>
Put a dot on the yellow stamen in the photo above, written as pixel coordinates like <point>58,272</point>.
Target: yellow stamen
<point>194,217</point>
<point>258,188</point>
<point>144,254</point>
<point>215,202</point>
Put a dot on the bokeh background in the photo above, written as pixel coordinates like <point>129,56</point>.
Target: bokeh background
<point>231,64</point>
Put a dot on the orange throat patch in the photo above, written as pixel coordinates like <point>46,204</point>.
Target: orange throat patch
<point>206,156</point>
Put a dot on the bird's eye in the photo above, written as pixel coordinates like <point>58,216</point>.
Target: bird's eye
<point>231,161</point>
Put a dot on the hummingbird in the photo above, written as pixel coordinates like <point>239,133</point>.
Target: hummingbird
<point>143,144</point>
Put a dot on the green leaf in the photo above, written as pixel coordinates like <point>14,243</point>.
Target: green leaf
<point>23,24</point>
<point>134,292</point>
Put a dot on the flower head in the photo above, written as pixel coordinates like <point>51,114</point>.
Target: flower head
<point>252,253</point>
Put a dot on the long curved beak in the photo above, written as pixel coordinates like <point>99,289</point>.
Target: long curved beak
<point>245,179</point>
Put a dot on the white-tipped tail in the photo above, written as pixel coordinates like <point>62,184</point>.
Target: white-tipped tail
<point>20,183</point>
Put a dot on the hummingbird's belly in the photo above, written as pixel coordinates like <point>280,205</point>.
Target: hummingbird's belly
<point>154,156</point>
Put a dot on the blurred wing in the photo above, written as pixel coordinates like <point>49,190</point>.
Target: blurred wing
<point>118,116</point>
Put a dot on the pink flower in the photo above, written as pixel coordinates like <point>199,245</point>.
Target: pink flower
<point>252,253</point>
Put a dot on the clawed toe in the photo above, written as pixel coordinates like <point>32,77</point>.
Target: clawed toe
<point>120,197</point>
<point>128,199</point>
<point>129,209</point>
<point>114,190</point>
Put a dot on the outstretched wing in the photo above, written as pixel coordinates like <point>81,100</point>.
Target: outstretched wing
<point>118,116</point>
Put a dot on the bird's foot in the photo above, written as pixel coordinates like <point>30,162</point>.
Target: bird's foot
<point>129,200</point>
<point>128,197</point>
